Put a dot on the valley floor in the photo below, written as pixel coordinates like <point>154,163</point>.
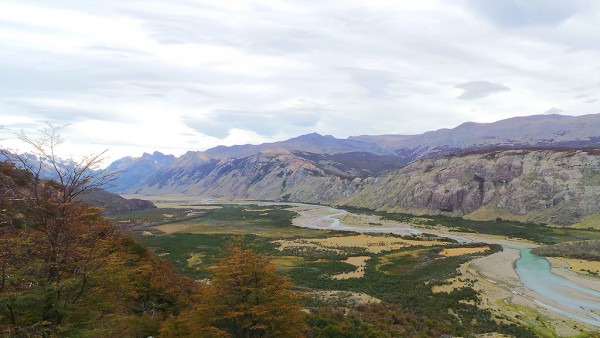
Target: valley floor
<point>493,276</point>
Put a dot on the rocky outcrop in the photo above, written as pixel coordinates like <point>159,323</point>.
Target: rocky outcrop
<point>543,186</point>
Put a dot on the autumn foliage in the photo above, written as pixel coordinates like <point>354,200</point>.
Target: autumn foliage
<point>246,297</point>
<point>66,271</point>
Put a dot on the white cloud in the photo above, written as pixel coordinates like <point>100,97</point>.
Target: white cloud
<point>138,76</point>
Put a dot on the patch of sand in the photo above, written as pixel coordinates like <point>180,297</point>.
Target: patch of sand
<point>562,267</point>
<point>451,252</point>
<point>360,262</point>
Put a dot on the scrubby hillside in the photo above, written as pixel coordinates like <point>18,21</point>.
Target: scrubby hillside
<point>67,272</point>
<point>588,250</point>
<point>112,203</point>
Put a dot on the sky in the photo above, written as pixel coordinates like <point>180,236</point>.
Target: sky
<point>141,76</point>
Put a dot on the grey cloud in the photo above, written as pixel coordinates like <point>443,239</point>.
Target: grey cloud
<point>376,83</point>
<point>479,89</point>
<point>220,122</point>
<point>66,113</point>
<point>519,13</point>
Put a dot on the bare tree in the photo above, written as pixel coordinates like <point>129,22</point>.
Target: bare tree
<point>74,176</point>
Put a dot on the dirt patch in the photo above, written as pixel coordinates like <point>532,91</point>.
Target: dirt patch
<point>360,262</point>
<point>453,284</point>
<point>451,252</point>
<point>583,266</point>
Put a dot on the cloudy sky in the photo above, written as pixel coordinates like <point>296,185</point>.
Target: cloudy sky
<point>177,75</point>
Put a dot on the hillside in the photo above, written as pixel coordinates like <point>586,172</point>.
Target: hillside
<point>68,272</point>
<point>112,203</point>
<point>525,131</point>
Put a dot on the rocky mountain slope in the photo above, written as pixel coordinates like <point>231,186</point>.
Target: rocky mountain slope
<point>554,186</point>
<point>513,169</point>
<point>131,171</point>
<point>544,186</point>
<point>310,143</point>
<point>362,156</point>
<point>276,174</point>
<point>536,130</point>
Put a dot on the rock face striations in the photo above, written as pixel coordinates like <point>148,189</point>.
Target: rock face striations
<point>275,174</point>
<point>544,186</point>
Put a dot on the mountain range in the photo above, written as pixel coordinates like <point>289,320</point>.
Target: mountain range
<point>541,168</point>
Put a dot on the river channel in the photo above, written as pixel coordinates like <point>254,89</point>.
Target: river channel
<point>534,272</point>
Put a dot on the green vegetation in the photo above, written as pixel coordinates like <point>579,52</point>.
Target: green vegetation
<point>587,250</point>
<point>402,278</point>
<point>178,248</point>
<point>272,221</point>
<point>155,216</point>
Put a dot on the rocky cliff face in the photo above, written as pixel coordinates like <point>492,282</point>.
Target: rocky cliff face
<point>543,186</point>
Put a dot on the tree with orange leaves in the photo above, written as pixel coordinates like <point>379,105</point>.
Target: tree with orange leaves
<point>245,298</point>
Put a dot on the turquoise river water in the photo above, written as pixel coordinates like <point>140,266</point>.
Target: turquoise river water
<point>534,272</point>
